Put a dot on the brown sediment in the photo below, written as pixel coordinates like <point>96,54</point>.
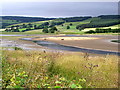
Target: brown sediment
<point>66,38</point>
<point>98,43</point>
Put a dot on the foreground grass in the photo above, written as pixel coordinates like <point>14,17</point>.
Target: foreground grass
<point>33,69</point>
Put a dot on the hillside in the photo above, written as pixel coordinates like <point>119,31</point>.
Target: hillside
<point>76,25</point>
<point>9,20</point>
<point>101,21</point>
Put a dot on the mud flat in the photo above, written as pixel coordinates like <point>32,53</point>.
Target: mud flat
<point>99,42</point>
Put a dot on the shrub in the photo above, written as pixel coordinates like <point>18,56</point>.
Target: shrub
<point>17,48</point>
<point>45,30</point>
<point>91,31</point>
<point>68,27</point>
<point>53,29</point>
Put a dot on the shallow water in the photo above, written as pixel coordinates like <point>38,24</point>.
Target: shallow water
<point>70,48</point>
<point>28,39</point>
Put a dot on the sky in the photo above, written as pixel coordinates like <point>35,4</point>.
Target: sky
<point>59,0</point>
<point>58,8</point>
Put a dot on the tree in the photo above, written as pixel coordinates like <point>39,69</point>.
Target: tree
<point>45,30</point>
<point>40,27</point>
<point>68,27</point>
<point>46,24</point>
<point>24,26</point>
<point>91,31</point>
<point>53,29</point>
<point>16,30</point>
<point>17,26</point>
<point>51,25</point>
<point>30,25</point>
<point>7,30</point>
<point>12,27</point>
<point>35,26</point>
<point>71,24</point>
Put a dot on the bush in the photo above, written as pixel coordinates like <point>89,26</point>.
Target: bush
<point>68,27</point>
<point>45,30</point>
<point>17,48</point>
<point>91,31</point>
<point>53,29</point>
<point>71,24</point>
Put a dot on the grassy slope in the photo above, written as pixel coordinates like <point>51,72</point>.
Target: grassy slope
<point>8,22</point>
<point>112,27</point>
<point>34,23</point>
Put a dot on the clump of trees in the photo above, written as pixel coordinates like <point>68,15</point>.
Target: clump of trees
<point>29,26</point>
<point>56,22</point>
<point>12,29</point>
<point>45,30</point>
<point>26,27</point>
<point>16,28</point>
<point>51,30</point>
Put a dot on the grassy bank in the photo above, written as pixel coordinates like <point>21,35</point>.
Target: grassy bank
<point>26,69</point>
<point>66,32</point>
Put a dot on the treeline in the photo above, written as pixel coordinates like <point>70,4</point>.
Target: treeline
<point>4,23</point>
<point>98,23</point>
<point>25,19</point>
<point>109,16</point>
<point>75,19</point>
<point>108,30</point>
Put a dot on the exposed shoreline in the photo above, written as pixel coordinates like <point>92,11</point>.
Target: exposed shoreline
<point>95,43</point>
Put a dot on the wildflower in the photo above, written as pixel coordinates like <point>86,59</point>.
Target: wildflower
<point>78,72</point>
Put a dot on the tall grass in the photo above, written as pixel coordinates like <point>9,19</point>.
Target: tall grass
<point>33,69</point>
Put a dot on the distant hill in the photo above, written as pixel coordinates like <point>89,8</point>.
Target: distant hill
<point>100,21</point>
<point>9,20</point>
<point>109,16</point>
<point>75,19</point>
